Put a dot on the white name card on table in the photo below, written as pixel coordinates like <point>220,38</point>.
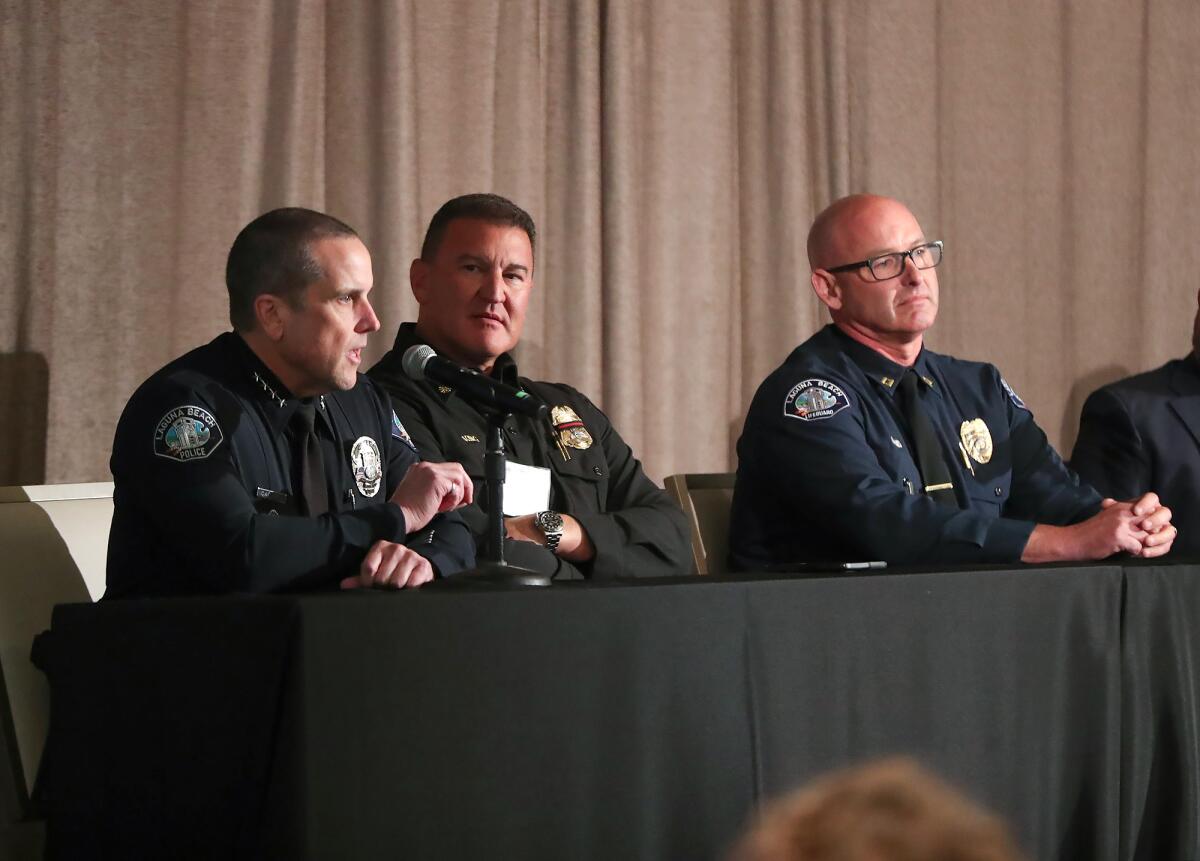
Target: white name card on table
<point>526,489</point>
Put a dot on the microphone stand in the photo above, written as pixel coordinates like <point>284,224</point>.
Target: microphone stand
<point>490,566</point>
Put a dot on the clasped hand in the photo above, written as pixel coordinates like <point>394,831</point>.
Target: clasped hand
<point>1141,527</point>
<point>426,489</point>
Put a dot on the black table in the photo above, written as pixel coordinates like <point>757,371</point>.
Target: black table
<point>1160,765</point>
<point>639,720</point>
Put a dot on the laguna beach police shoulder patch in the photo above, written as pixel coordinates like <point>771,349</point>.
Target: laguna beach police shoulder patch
<point>398,432</point>
<point>366,465</point>
<point>1013,395</point>
<point>187,433</point>
<point>814,399</point>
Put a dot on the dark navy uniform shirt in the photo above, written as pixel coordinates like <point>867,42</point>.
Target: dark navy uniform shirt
<point>636,528</point>
<point>827,471</point>
<point>206,496</point>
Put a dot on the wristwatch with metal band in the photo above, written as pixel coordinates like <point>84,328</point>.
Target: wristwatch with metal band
<point>551,524</point>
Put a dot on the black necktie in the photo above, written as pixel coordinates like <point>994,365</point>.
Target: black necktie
<point>314,497</point>
<point>935,474</point>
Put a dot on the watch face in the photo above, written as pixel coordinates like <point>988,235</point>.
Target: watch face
<point>550,521</point>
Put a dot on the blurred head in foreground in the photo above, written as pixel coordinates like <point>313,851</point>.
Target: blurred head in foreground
<point>890,810</point>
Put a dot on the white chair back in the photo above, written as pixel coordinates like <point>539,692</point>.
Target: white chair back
<point>53,547</point>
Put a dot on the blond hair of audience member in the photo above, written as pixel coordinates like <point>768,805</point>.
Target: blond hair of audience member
<point>892,810</point>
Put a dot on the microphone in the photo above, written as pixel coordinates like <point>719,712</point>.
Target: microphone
<point>420,362</point>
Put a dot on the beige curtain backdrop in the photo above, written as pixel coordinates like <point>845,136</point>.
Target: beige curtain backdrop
<point>673,153</point>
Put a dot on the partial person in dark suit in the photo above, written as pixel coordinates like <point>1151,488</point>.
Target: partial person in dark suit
<point>1143,432</point>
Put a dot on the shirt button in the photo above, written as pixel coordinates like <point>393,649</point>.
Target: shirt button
<point>999,492</point>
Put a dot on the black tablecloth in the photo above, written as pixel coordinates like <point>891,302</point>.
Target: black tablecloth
<point>622,721</point>
<point>1160,758</point>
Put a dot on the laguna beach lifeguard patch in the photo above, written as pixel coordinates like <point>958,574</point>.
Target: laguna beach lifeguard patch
<point>814,399</point>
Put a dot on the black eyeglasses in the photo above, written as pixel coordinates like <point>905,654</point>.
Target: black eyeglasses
<point>887,266</point>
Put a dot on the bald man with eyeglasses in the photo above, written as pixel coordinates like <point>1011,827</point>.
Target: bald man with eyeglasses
<point>865,445</point>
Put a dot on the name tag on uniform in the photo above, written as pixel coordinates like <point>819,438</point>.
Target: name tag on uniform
<point>526,489</point>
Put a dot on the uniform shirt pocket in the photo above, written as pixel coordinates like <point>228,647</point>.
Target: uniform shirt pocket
<point>583,480</point>
<point>989,493</point>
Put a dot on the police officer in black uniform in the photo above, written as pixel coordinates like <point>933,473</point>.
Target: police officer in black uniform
<point>864,445</point>
<point>603,517</point>
<point>262,461</point>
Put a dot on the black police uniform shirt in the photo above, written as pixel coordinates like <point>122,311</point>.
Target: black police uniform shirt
<point>636,528</point>
<point>206,495</point>
<point>1142,434</point>
<point>827,470</point>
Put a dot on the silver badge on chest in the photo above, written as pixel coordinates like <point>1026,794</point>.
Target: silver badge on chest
<point>366,465</point>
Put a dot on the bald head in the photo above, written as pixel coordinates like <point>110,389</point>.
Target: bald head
<point>827,239</point>
<point>890,314</point>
